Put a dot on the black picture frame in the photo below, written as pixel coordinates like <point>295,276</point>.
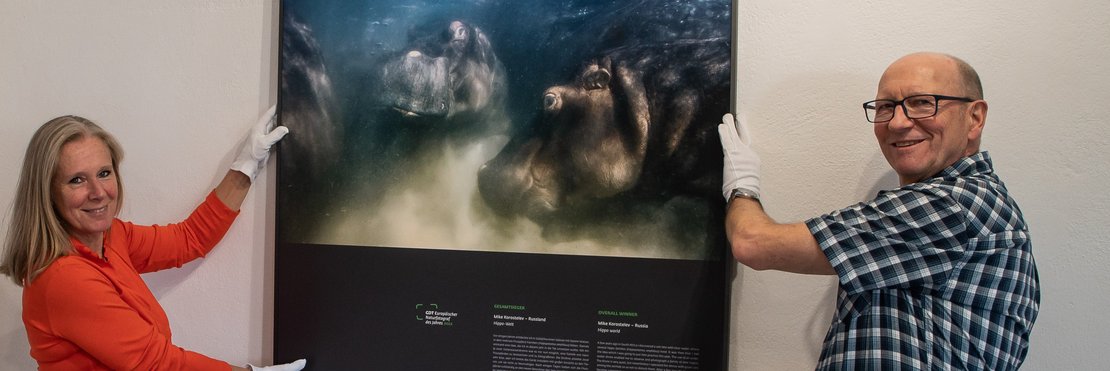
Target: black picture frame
<point>405,236</point>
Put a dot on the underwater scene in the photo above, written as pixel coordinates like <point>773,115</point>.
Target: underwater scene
<point>565,127</point>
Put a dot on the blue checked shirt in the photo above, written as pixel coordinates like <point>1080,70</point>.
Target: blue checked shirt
<point>934,275</point>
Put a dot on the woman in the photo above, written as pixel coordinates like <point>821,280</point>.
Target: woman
<point>84,305</point>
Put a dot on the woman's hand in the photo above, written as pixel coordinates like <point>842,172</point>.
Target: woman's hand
<point>256,150</point>
<point>252,158</point>
<point>291,366</point>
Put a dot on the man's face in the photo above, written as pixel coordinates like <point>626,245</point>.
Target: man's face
<point>920,148</point>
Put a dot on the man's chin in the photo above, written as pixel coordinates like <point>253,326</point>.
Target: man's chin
<point>907,171</point>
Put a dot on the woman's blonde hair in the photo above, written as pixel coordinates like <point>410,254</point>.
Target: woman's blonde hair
<point>37,235</point>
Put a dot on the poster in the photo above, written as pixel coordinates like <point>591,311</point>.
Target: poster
<point>498,184</point>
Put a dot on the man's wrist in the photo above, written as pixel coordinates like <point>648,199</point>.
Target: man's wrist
<point>741,192</point>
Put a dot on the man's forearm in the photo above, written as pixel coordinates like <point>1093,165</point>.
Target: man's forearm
<point>761,243</point>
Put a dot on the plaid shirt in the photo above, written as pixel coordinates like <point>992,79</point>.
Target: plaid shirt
<point>934,275</point>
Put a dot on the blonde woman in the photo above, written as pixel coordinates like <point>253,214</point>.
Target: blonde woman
<point>84,305</point>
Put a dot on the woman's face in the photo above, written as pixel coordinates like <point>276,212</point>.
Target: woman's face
<point>85,189</point>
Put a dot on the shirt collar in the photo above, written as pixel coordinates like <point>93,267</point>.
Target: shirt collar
<point>979,163</point>
<point>87,252</point>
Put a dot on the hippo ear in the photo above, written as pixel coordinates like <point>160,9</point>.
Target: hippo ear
<point>457,31</point>
<point>596,79</point>
<point>629,84</point>
<point>483,48</point>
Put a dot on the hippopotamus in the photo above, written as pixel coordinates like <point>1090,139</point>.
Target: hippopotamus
<point>307,103</point>
<point>448,76</point>
<point>637,125</point>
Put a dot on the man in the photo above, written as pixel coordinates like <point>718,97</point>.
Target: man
<point>936,274</point>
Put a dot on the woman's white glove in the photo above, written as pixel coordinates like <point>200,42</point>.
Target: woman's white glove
<point>292,366</point>
<point>256,150</point>
<point>741,162</point>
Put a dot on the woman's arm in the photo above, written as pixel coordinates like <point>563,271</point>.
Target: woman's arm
<point>232,190</point>
<point>154,248</point>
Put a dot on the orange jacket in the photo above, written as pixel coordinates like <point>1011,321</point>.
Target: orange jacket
<point>88,313</point>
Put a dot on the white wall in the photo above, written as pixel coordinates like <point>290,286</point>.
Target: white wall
<point>179,82</point>
<point>804,68</point>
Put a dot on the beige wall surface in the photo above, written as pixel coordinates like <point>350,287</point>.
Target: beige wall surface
<point>179,83</point>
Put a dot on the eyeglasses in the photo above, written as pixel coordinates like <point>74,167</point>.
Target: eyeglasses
<point>914,106</point>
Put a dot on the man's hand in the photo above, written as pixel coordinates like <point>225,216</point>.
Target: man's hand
<point>741,168</point>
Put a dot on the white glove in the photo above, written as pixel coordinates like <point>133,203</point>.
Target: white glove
<point>292,366</point>
<point>256,150</point>
<point>741,163</point>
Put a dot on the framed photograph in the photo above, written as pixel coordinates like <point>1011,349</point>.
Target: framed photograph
<point>502,184</point>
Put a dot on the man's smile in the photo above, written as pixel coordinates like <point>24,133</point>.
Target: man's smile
<point>906,143</point>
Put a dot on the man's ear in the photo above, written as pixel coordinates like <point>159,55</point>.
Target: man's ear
<point>978,115</point>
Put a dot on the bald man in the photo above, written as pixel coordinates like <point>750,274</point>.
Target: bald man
<point>935,274</point>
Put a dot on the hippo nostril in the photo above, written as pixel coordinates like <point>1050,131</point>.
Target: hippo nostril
<point>550,101</point>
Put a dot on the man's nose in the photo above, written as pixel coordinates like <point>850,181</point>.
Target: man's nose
<point>900,121</point>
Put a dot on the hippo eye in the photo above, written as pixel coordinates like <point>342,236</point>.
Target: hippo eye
<point>550,102</point>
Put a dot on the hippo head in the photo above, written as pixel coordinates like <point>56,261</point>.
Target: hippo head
<point>443,73</point>
<point>416,85</point>
<point>308,104</point>
<point>587,144</point>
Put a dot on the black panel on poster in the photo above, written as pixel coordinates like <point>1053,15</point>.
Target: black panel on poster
<point>356,308</point>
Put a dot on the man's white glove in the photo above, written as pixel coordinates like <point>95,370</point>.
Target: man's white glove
<point>292,366</point>
<point>256,150</point>
<point>741,163</point>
